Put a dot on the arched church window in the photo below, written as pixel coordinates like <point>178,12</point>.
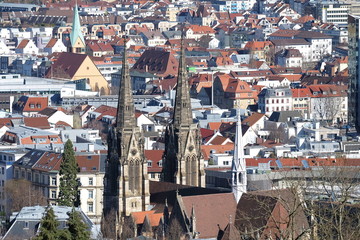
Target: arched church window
<point>131,175</point>
<point>188,170</point>
<point>194,170</point>
<point>138,175</point>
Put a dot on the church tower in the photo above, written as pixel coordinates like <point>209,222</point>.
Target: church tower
<point>126,184</point>
<point>238,167</point>
<point>183,162</point>
<point>77,42</point>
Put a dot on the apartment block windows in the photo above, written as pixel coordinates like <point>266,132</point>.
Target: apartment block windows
<point>91,207</point>
<point>91,194</point>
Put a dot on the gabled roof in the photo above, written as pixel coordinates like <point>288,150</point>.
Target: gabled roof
<point>47,111</point>
<point>266,212</point>
<point>209,213</point>
<point>23,44</point>
<point>153,217</point>
<point>31,104</point>
<point>66,65</point>
<point>37,122</point>
<point>51,43</point>
<point>257,45</point>
<point>161,63</point>
<point>155,156</point>
<point>254,118</point>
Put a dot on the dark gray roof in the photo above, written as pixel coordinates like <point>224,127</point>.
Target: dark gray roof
<point>284,116</point>
<point>271,92</point>
<point>287,42</point>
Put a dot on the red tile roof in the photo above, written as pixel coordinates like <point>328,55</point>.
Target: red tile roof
<point>23,44</point>
<point>31,104</point>
<point>153,217</point>
<point>254,118</point>
<point>155,156</point>
<point>37,122</point>
<point>51,43</point>
<point>210,215</point>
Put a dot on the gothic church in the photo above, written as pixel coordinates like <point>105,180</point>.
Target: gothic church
<point>183,162</point>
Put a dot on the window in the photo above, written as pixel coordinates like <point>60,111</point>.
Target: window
<point>226,163</point>
<point>149,163</point>
<point>53,181</point>
<point>53,194</point>
<point>91,194</point>
<point>91,181</point>
<point>91,207</point>
<point>2,170</point>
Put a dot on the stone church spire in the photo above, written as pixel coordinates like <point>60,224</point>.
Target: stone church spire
<point>238,167</point>
<point>182,108</point>
<point>126,111</point>
<point>126,183</point>
<point>183,162</point>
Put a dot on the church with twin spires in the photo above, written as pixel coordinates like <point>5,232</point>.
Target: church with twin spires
<point>126,184</point>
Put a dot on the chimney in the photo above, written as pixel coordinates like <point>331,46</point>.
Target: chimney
<point>91,147</point>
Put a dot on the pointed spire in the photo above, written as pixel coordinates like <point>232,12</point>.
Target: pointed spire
<point>182,108</point>
<point>76,28</point>
<point>193,212</point>
<point>238,167</point>
<point>239,149</point>
<point>125,117</point>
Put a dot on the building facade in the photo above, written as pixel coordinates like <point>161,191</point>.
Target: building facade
<point>354,72</point>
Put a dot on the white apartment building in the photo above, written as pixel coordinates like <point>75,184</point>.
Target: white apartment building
<point>275,99</point>
<point>334,13</point>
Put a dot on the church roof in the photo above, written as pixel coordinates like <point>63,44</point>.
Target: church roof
<point>209,213</point>
<point>66,65</point>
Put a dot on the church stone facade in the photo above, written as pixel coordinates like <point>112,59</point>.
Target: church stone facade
<point>183,162</point>
<point>126,184</point>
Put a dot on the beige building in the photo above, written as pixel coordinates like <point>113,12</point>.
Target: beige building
<point>72,66</point>
<point>42,169</point>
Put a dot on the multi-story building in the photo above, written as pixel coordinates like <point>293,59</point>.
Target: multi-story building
<point>301,100</point>
<point>235,6</point>
<point>329,103</point>
<point>328,12</point>
<point>275,99</point>
<point>7,158</point>
<point>42,169</point>
<point>354,72</point>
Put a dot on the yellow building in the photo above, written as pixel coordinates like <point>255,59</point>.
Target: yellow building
<point>72,66</point>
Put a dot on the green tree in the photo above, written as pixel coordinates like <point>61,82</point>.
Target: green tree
<point>69,183</point>
<point>77,227</point>
<point>49,228</point>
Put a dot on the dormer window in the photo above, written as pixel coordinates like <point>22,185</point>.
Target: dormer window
<point>149,163</point>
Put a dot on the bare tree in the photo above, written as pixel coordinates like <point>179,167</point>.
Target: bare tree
<point>107,222</point>
<point>317,203</point>
<point>175,230</point>
<point>21,193</point>
<point>327,108</point>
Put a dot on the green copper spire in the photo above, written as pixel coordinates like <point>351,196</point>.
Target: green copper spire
<point>76,28</point>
